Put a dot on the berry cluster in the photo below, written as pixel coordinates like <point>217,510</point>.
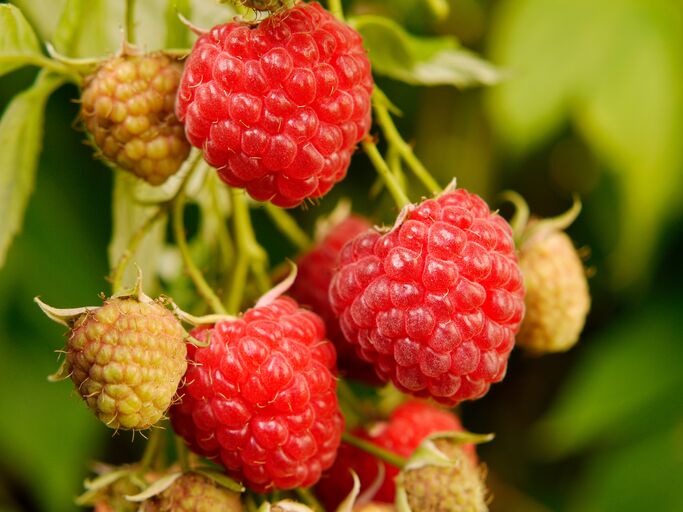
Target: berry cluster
<point>430,306</point>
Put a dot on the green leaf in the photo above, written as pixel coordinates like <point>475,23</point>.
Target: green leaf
<point>18,43</point>
<point>625,372</point>
<point>66,33</point>
<point>614,69</point>
<point>642,475</point>
<point>41,14</point>
<point>21,131</point>
<point>421,60</point>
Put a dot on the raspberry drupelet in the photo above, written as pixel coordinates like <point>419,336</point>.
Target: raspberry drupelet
<point>279,107</point>
<point>435,303</point>
<point>261,397</point>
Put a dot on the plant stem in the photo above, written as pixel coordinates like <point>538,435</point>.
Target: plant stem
<point>400,197</point>
<point>349,398</point>
<point>309,499</point>
<point>383,118</point>
<point>288,227</point>
<point>133,244</point>
<point>181,454</point>
<point>373,449</point>
<point>45,63</point>
<point>336,8</point>
<point>181,241</point>
<point>130,21</point>
<point>246,239</point>
<point>152,448</point>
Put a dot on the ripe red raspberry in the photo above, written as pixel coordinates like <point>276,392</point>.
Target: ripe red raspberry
<point>278,108</point>
<point>408,426</point>
<point>125,358</point>
<point>315,271</point>
<point>434,303</point>
<point>261,398</point>
<point>127,106</point>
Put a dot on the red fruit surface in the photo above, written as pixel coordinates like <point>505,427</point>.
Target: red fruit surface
<point>279,107</point>
<point>261,398</point>
<point>408,426</point>
<point>315,271</point>
<point>435,303</point>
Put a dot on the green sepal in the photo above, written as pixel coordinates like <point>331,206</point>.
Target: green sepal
<point>96,485</point>
<point>220,478</point>
<point>350,500</point>
<point>156,488</point>
<point>428,454</point>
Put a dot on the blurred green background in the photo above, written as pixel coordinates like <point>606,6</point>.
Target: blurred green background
<point>592,102</point>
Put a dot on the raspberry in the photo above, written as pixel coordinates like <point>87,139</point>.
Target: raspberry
<point>127,107</point>
<point>456,487</point>
<point>125,358</point>
<point>193,492</point>
<point>278,108</point>
<point>315,270</point>
<point>434,303</point>
<point>408,426</point>
<point>261,398</point>
<point>557,298</point>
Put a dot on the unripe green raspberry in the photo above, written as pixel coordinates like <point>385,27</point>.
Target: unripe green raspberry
<point>557,297</point>
<point>193,492</point>
<point>126,359</point>
<point>127,106</point>
<point>454,487</point>
<point>113,497</point>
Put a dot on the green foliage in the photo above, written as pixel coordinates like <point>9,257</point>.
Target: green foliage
<point>623,402</point>
<point>18,42</point>
<point>619,379</point>
<point>614,69</point>
<point>21,131</point>
<point>420,60</point>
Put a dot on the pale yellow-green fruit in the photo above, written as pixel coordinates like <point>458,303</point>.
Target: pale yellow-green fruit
<point>458,487</point>
<point>557,297</point>
<point>126,359</point>
<point>193,492</point>
<point>127,106</point>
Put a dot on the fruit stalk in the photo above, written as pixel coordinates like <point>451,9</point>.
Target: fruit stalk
<point>130,21</point>
<point>249,253</point>
<point>394,187</point>
<point>335,7</point>
<point>181,241</point>
<point>288,227</point>
<point>373,449</point>
<point>137,238</point>
<point>395,139</point>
